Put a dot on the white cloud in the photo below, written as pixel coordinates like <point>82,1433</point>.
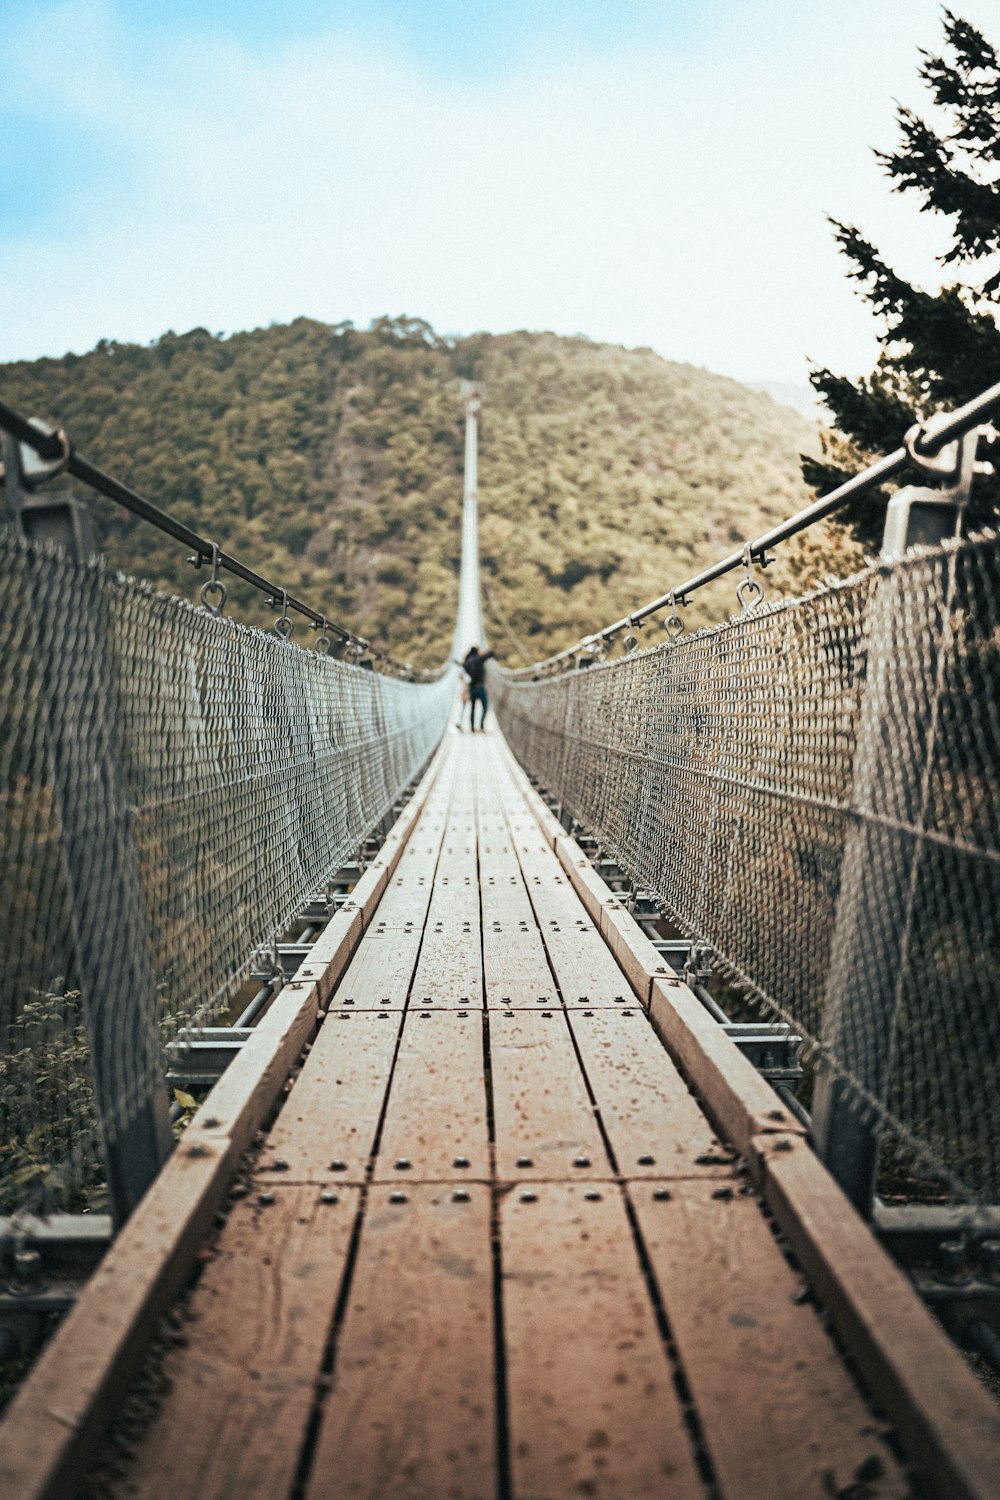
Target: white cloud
<point>642,197</point>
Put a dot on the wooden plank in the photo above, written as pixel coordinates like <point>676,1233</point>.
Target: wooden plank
<point>369,889</point>
<point>778,1412</point>
<point>450,971</point>
<point>592,1408</point>
<point>51,1428</point>
<point>408,893</point>
<point>738,1100</point>
<point>431,792</point>
<point>515,965</point>
<point>653,1122</point>
<point>585,968</point>
<point>239,1394</point>
<point>381,971</point>
<point>516,969</point>
<point>411,1415</point>
<point>435,1124</point>
<point>455,896</point>
<point>543,816</point>
<point>408,888</point>
<point>543,1120</point>
<point>948,1423</point>
<point>639,960</point>
<point>326,1131</point>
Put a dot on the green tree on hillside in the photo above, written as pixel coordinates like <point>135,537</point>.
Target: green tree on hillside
<point>937,350</point>
<point>330,459</point>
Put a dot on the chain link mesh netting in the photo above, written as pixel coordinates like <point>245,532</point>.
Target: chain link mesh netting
<point>170,775</point>
<point>811,790</point>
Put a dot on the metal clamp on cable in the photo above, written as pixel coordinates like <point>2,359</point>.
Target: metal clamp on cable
<point>673,624</point>
<point>630,640</point>
<point>213,591</point>
<point>283,625</point>
<point>323,639</point>
<point>585,655</point>
<point>749,592</point>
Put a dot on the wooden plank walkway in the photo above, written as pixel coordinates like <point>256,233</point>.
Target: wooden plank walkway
<point>493,1248</point>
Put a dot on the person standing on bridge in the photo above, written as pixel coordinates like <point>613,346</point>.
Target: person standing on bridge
<point>474,667</point>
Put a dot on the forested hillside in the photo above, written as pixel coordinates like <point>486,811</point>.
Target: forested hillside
<point>330,459</point>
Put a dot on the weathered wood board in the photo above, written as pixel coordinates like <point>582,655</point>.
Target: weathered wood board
<point>653,1122</point>
<point>381,971</point>
<point>239,1392</point>
<point>543,1119</point>
<point>778,1411</point>
<point>592,1407</point>
<point>435,1120</point>
<point>412,1414</point>
<point>326,1131</point>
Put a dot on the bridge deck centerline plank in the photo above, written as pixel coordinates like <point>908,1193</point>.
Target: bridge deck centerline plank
<point>412,1409</point>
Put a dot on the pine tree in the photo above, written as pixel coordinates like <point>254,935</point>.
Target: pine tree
<point>939,350</point>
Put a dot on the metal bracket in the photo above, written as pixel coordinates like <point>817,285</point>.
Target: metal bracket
<point>923,515</point>
<point>61,519</point>
<point>29,468</point>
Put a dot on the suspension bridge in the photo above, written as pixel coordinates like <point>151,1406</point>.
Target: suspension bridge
<point>489,1190</point>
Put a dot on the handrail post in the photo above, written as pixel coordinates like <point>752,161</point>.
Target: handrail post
<point>72,655</point>
<point>881,859</point>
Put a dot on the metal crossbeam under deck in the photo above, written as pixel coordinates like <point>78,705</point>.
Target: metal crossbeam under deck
<point>492,1245</point>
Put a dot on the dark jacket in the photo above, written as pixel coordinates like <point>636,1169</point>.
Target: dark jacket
<point>474,666</point>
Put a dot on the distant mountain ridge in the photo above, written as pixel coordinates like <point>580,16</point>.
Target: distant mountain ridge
<point>329,458</point>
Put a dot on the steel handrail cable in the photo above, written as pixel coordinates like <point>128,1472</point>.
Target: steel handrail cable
<point>926,438</point>
<point>56,446</point>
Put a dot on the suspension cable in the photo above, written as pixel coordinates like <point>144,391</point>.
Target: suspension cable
<point>927,438</point>
<point>56,446</point>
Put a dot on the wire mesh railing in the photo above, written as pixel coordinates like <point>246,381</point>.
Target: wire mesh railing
<point>174,786</point>
<point>811,790</point>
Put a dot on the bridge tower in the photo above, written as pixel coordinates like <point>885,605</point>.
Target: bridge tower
<point>469,619</point>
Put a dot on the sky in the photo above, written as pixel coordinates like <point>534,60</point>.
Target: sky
<point>645,172</point>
